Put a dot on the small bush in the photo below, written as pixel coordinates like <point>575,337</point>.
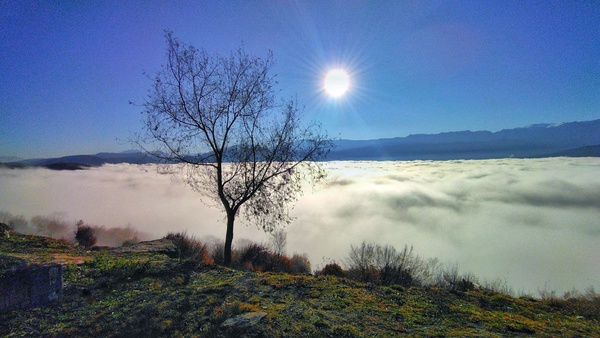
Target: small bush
<point>498,286</point>
<point>384,265</point>
<point>300,264</point>
<point>257,257</point>
<point>332,269</point>
<point>5,230</point>
<point>51,226</point>
<point>361,262</point>
<point>254,257</point>
<point>85,235</point>
<point>217,253</point>
<point>189,248</point>
<point>15,223</point>
<point>448,277</point>
<point>281,264</point>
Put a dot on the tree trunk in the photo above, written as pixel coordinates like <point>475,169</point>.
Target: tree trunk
<point>228,239</point>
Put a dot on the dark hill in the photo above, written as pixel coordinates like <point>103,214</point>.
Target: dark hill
<point>89,160</point>
<point>589,151</point>
<point>66,166</point>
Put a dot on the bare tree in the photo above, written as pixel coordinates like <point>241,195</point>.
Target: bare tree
<point>278,241</point>
<point>219,118</point>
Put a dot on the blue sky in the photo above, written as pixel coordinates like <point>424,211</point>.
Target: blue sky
<point>69,69</point>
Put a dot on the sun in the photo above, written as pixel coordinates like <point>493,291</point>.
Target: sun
<point>336,83</point>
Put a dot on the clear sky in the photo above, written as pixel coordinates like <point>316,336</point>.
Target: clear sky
<point>69,69</point>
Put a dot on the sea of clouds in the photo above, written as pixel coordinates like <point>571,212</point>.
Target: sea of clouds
<point>533,222</point>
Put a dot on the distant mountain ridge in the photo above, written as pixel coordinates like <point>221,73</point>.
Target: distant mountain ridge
<point>79,161</point>
<point>536,140</point>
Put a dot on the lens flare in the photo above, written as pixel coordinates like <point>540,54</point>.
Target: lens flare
<point>336,83</point>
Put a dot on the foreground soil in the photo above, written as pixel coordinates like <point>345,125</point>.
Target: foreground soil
<point>109,293</point>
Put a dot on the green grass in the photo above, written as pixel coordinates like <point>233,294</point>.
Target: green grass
<point>150,295</point>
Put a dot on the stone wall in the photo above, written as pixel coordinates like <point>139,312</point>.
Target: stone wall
<point>30,286</point>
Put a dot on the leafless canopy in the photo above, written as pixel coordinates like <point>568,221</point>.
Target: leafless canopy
<point>219,118</point>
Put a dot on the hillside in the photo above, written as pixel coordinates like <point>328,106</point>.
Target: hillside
<point>110,293</point>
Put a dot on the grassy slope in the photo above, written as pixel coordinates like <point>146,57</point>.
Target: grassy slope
<point>151,295</point>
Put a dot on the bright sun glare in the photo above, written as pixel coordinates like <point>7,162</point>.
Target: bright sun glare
<point>337,82</point>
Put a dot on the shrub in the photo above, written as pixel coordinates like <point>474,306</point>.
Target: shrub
<point>332,269</point>
<point>5,230</point>
<point>51,226</point>
<point>257,257</point>
<point>574,303</point>
<point>15,223</point>
<point>361,262</point>
<point>385,265</point>
<point>300,263</point>
<point>85,235</point>
<point>254,257</point>
<point>497,286</point>
<point>189,248</point>
<point>587,305</point>
<point>448,277</point>
<point>400,268</point>
<point>281,264</point>
<point>217,252</point>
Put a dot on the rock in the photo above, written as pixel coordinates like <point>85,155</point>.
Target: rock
<point>243,321</point>
<point>10,263</point>
<point>30,286</point>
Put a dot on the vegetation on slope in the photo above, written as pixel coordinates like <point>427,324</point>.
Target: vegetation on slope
<point>113,294</point>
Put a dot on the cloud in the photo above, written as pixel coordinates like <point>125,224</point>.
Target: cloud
<point>533,222</point>
<point>497,218</point>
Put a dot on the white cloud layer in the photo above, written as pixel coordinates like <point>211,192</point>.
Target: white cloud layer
<point>533,222</point>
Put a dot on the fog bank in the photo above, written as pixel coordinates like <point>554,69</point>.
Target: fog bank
<point>533,222</point>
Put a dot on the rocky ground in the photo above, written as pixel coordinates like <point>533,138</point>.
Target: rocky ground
<point>136,293</point>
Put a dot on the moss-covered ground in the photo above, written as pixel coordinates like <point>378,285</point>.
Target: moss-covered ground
<point>110,294</point>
